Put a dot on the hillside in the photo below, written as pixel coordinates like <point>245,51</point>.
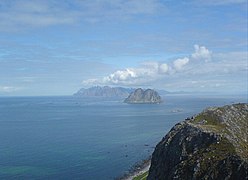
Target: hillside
<point>211,145</point>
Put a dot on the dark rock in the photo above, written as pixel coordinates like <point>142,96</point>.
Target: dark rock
<point>215,149</point>
<point>140,96</point>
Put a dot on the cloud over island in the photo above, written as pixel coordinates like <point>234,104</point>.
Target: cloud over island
<point>152,70</point>
<point>145,43</point>
<point>202,71</point>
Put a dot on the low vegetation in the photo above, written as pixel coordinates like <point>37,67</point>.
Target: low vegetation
<point>211,145</point>
<point>141,177</point>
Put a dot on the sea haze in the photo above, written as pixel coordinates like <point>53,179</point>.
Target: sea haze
<point>79,138</point>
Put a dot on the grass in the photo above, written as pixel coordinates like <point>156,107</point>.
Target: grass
<point>141,177</point>
<point>210,122</point>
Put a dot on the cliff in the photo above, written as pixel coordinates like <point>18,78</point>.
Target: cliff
<point>140,96</point>
<point>105,91</point>
<point>211,145</point>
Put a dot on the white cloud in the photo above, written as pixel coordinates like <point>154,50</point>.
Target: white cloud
<point>120,76</point>
<point>184,73</point>
<point>120,7</point>
<point>220,2</point>
<point>201,53</point>
<point>151,65</point>
<point>27,79</point>
<point>224,63</point>
<point>26,14</point>
<point>23,14</point>
<point>164,68</point>
<point>91,81</point>
<point>128,76</point>
<point>180,63</point>
<point>150,70</point>
<point>146,72</point>
<point>8,89</point>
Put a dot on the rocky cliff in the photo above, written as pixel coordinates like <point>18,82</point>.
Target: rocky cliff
<point>140,96</point>
<point>104,91</point>
<point>211,145</point>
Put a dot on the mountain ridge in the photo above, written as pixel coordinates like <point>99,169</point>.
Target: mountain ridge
<point>104,91</point>
<point>211,145</point>
<point>95,91</point>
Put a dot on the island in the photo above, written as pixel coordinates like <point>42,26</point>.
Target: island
<point>104,91</point>
<point>210,145</point>
<point>140,96</point>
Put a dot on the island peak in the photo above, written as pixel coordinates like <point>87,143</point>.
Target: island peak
<point>140,96</point>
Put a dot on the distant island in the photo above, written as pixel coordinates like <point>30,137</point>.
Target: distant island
<point>211,145</point>
<point>140,96</point>
<point>117,92</point>
<point>105,91</point>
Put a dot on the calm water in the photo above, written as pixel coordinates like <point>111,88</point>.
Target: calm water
<point>70,138</point>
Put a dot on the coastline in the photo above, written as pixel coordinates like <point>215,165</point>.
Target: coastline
<point>137,170</point>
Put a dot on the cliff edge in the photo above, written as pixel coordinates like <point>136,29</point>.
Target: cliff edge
<point>211,145</point>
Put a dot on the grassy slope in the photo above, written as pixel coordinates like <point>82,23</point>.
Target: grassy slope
<point>230,125</point>
<point>234,129</point>
<point>141,177</point>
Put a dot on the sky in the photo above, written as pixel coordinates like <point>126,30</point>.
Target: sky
<point>55,47</point>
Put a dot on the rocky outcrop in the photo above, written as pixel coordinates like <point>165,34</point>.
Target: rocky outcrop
<point>105,91</point>
<point>140,96</point>
<point>211,145</point>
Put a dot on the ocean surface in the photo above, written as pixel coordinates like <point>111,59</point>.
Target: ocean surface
<point>91,139</point>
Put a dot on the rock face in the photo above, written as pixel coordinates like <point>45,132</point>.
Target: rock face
<point>106,91</point>
<point>140,96</point>
<point>212,145</point>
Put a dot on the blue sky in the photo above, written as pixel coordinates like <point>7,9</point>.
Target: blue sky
<point>55,47</point>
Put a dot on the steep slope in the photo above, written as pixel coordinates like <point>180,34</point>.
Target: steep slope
<point>140,96</point>
<point>212,145</point>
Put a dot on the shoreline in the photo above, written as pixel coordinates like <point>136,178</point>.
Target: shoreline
<point>137,170</point>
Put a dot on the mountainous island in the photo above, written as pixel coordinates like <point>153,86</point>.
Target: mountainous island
<point>211,145</point>
<point>140,96</point>
<point>116,92</point>
<point>105,91</point>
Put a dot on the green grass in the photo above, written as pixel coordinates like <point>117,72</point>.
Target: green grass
<point>208,119</point>
<point>212,123</point>
<point>141,177</point>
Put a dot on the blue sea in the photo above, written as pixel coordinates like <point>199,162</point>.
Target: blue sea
<point>91,139</point>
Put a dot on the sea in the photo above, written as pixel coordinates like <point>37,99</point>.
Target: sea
<point>87,138</point>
